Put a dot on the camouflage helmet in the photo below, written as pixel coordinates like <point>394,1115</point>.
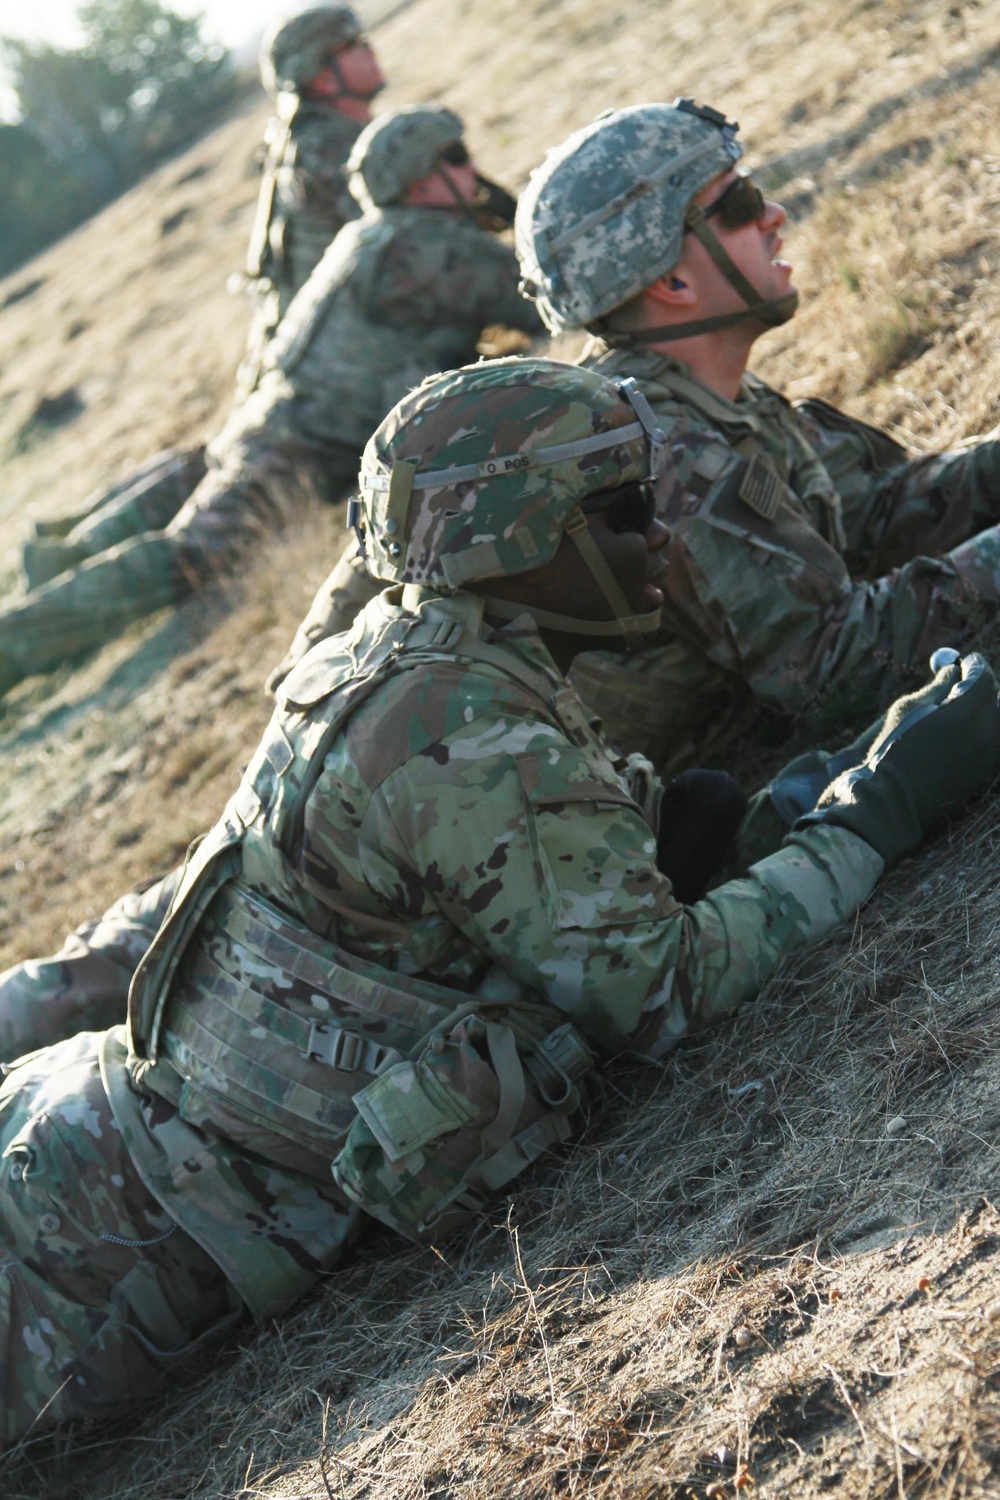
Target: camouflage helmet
<point>604,216</point>
<point>295,49</point>
<point>397,149</point>
<point>479,472</point>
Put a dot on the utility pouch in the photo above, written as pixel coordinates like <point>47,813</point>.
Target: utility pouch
<point>437,1135</point>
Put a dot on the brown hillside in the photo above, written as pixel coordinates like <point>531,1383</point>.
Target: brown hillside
<point>773,1264</point>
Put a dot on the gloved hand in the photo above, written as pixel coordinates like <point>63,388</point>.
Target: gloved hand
<point>699,816</point>
<point>937,748</point>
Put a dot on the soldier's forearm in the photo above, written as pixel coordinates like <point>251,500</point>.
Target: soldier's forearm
<point>734,938</point>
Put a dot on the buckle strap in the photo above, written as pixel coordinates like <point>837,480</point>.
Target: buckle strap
<point>348,1051</point>
<point>557,1063</point>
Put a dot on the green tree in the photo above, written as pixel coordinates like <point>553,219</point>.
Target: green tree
<point>165,77</point>
<point>144,83</point>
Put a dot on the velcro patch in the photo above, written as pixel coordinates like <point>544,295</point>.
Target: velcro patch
<point>761,488</point>
<point>712,459</point>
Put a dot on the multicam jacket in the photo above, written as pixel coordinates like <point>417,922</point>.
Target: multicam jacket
<point>778,515</point>
<point>433,810</point>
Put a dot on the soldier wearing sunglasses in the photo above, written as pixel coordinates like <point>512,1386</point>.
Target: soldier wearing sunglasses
<point>812,563</point>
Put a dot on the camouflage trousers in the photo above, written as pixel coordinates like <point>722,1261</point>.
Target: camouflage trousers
<point>102,1296</point>
<point>260,475</point>
<point>83,987</point>
<point>147,501</point>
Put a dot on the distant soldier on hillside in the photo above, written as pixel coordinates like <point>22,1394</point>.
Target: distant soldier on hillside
<point>323,75</point>
<point>396,968</point>
<point>402,292</point>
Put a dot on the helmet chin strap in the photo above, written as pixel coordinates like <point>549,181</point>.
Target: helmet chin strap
<point>771,311</point>
<point>626,623</point>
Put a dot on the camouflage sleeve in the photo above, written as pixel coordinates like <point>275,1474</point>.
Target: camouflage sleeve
<point>755,588</point>
<point>500,847</point>
<point>897,506</point>
<point>453,273</point>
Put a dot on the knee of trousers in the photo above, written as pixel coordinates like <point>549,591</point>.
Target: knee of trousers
<point>102,1295</point>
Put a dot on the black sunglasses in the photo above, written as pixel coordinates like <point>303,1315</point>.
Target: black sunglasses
<point>742,202</point>
<point>454,155</point>
<point>629,507</point>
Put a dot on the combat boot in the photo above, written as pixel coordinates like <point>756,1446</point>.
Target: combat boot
<point>43,559</point>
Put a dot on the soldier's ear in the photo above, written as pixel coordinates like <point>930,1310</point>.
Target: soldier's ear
<point>671,291</point>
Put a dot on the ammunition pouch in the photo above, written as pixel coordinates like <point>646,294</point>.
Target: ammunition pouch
<point>437,1135</point>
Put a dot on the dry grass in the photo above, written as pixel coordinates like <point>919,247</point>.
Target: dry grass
<point>746,1270</point>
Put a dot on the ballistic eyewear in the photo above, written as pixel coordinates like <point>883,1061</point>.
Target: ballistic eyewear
<point>629,507</point>
<point>742,202</point>
<point>454,155</point>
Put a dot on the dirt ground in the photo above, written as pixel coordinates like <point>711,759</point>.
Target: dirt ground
<point>772,1265</point>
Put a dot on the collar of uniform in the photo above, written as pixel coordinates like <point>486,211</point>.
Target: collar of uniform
<point>520,635</point>
<point>755,400</point>
<point>433,607</point>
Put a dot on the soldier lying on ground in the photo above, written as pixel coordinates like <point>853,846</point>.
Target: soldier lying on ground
<point>430,907</point>
<point>796,573</point>
<point>323,76</point>
<point>403,291</point>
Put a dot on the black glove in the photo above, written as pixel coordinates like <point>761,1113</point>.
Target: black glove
<point>699,816</point>
<point>937,748</point>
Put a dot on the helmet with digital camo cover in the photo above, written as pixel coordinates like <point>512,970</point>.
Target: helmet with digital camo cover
<point>398,149</point>
<point>295,49</point>
<point>605,215</point>
<point>480,472</point>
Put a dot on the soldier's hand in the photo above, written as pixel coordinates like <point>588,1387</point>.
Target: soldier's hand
<point>700,815</point>
<point>937,748</point>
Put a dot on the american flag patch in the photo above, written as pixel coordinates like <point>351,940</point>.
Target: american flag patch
<point>761,488</point>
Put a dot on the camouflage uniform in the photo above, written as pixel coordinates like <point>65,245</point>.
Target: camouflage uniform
<point>402,292</point>
<point>431,900</point>
<point>83,987</point>
<point>796,569</point>
<point>833,581</point>
<point>304,201</point>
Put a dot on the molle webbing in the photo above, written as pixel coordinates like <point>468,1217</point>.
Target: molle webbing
<point>284,1027</point>
<point>230,1031</point>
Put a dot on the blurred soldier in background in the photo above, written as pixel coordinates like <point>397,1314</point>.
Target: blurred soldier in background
<point>403,291</point>
<point>323,75</point>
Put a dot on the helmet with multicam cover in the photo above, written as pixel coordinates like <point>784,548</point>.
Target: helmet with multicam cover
<point>480,472</point>
<point>397,149</point>
<point>294,50</point>
<point>606,213</point>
